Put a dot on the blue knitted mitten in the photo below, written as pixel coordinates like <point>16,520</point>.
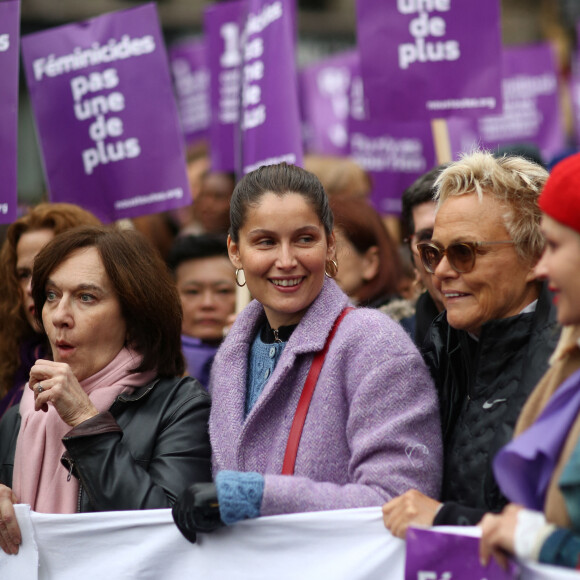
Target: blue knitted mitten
<point>239,495</point>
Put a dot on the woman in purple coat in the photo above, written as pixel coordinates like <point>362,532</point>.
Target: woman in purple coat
<point>372,425</point>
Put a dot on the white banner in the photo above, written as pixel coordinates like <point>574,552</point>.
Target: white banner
<point>146,545</point>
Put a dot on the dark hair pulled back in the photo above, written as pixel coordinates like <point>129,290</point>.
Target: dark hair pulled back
<point>278,179</point>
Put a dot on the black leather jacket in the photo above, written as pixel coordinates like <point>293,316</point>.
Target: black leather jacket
<point>482,387</point>
<point>140,454</point>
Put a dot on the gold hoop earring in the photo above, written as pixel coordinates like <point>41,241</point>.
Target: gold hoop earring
<point>237,281</point>
<point>333,267</point>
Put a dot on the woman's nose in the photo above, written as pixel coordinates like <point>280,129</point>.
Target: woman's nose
<point>444,270</point>
<point>61,314</point>
<point>286,258</point>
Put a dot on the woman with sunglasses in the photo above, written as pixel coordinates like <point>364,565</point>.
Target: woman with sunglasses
<point>540,469</point>
<point>491,345</point>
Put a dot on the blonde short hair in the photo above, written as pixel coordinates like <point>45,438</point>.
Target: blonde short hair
<point>513,181</point>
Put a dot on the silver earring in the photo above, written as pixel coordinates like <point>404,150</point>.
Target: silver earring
<point>237,281</point>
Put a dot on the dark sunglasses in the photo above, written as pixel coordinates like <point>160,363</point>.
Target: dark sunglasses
<point>461,255</point>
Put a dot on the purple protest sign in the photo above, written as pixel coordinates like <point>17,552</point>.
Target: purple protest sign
<point>358,110</point>
<point>9,33</point>
<point>188,61</point>
<point>575,97</point>
<point>222,23</point>
<point>394,155</point>
<point>531,112</point>
<point>106,115</point>
<point>424,59</point>
<point>575,89</point>
<point>326,93</point>
<point>270,118</point>
<point>434,555</point>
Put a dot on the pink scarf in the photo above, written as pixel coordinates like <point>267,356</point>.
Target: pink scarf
<point>39,477</point>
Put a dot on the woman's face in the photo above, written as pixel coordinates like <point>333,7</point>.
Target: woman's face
<point>29,244</point>
<point>207,289</point>
<point>354,268</point>
<point>82,314</point>
<point>212,206</point>
<point>283,249</point>
<point>560,263</point>
<point>500,284</point>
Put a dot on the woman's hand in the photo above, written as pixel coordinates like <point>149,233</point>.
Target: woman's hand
<point>498,535</point>
<point>409,509</point>
<point>10,537</point>
<point>56,383</point>
<point>197,510</point>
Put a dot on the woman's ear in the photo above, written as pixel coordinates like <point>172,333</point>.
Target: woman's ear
<point>331,247</point>
<point>234,253</point>
<point>535,273</point>
<point>370,261</point>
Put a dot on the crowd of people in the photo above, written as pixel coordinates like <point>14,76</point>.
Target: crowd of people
<point>435,375</point>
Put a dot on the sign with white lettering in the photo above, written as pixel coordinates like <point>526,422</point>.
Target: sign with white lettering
<point>437,555</point>
<point>329,94</point>
<point>394,155</point>
<point>531,114</point>
<point>106,116</point>
<point>188,61</point>
<point>430,58</point>
<point>222,23</point>
<point>9,35</point>
<point>270,116</point>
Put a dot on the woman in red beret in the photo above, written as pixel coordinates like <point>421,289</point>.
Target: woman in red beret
<point>539,471</point>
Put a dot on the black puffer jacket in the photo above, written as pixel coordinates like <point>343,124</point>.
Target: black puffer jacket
<point>141,454</point>
<point>482,387</point>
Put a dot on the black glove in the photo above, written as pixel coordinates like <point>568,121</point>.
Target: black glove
<point>197,510</point>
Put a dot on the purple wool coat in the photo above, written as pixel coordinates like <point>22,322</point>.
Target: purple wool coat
<point>372,430</point>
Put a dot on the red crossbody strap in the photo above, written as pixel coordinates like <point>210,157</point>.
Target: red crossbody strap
<point>305,398</point>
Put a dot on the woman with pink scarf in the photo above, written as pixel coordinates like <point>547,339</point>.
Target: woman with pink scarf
<point>107,423</point>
